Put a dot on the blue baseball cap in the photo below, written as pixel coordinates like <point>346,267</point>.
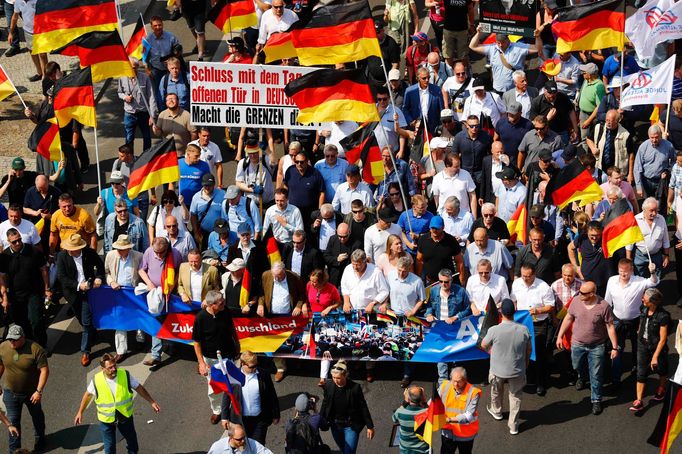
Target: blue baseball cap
<point>437,223</point>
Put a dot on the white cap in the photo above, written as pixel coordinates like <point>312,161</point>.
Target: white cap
<point>394,74</point>
<point>438,142</point>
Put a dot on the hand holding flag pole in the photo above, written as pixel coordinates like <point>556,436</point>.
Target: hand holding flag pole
<point>14,87</point>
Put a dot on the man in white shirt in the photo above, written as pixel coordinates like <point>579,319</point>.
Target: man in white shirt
<point>210,154</point>
<point>29,234</point>
<point>363,285</point>
<point>453,180</point>
<point>352,189</point>
<point>624,294</point>
<point>492,250</point>
<point>334,131</point>
<point>276,19</point>
<point>656,240</point>
<point>377,234</point>
<point>332,169</point>
<point>484,284</point>
<point>284,218</point>
<point>534,295</point>
<point>457,222</point>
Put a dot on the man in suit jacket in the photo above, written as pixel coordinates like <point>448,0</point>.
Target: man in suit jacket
<point>121,269</point>
<point>283,294</point>
<point>492,164</point>
<point>324,222</point>
<point>412,106</point>
<point>75,284</point>
<point>521,93</point>
<point>255,425</point>
<point>210,278</point>
<point>300,257</point>
<point>337,254</point>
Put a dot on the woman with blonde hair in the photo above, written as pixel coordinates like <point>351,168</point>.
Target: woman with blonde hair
<point>388,261</point>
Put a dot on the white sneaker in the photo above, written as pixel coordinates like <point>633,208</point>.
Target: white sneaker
<point>514,431</point>
<point>495,416</point>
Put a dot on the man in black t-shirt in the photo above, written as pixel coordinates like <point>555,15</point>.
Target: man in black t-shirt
<point>439,250</point>
<point>457,26</point>
<point>593,266</point>
<point>214,331</point>
<point>17,182</point>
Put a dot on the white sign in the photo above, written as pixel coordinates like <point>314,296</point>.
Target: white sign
<point>642,25</point>
<point>228,94</point>
<point>652,86</point>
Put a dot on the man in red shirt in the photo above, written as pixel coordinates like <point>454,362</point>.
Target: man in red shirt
<point>417,53</point>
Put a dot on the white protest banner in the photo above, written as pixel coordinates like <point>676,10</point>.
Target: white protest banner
<point>653,86</point>
<point>639,26</point>
<point>668,25</point>
<point>226,94</point>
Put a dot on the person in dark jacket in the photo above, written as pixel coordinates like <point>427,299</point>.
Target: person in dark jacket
<point>75,284</point>
<point>345,409</point>
<point>301,257</point>
<point>337,254</point>
<point>257,399</point>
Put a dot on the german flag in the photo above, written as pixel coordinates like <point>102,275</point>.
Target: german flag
<point>134,46</point>
<point>430,420</point>
<point>168,275</point>
<point>620,228</point>
<point>58,22</point>
<point>669,423</point>
<point>492,318</point>
<point>40,225</point>
<point>271,248</point>
<point>229,15</point>
<point>74,98</point>
<point>594,25</point>
<point>45,140</point>
<point>6,86</point>
<point>389,317</point>
<point>568,335</point>
<point>362,146</point>
<point>333,95</point>
<point>517,226</point>
<point>103,52</point>
<point>245,291</point>
<point>279,46</point>
<point>155,166</point>
<point>572,183</point>
<point>339,32</point>
<point>414,320</point>
<point>312,345</point>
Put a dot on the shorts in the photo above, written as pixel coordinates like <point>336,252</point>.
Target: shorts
<point>644,356</point>
<point>29,40</point>
<point>456,44</point>
<point>194,13</point>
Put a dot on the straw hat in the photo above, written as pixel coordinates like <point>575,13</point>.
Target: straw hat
<point>123,242</point>
<point>73,243</point>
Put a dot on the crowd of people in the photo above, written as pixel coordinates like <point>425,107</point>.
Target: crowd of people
<point>429,241</point>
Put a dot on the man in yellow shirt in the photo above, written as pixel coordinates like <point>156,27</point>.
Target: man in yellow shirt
<point>70,219</point>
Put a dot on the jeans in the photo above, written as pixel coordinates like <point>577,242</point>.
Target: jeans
<point>9,11</point>
<point>641,263</point>
<point>141,120</point>
<point>590,357</point>
<point>127,429</point>
<point>346,438</point>
<point>84,316</point>
<point>443,372</point>
<point>625,329</point>
<point>157,345</point>
<point>450,446</point>
<point>13,404</point>
<point>256,428</point>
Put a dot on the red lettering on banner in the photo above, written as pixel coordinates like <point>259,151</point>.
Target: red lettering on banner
<point>257,326</point>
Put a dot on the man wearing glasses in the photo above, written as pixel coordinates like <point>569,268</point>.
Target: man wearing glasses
<point>423,102</point>
<point>392,135</point>
<point>276,19</point>
<point>121,222</point>
<point>536,140</point>
<point>472,145</point>
<point>591,319</point>
<point>237,441</point>
<point>181,240</point>
<point>306,187</point>
<point>456,89</point>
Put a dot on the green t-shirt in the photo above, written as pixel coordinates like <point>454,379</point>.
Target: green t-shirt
<point>591,95</point>
<point>22,366</point>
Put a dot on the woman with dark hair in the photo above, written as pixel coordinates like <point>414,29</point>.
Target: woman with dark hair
<point>171,205</point>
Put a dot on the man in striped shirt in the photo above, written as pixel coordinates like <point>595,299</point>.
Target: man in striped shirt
<point>404,415</point>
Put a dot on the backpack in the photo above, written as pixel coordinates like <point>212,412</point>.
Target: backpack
<point>299,436</point>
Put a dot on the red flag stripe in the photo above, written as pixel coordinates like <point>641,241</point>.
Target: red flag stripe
<point>74,96</point>
<point>579,184</point>
<point>344,90</point>
<point>102,54</point>
<point>232,10</point>
<point>576,29</point>
<point>82,16</point>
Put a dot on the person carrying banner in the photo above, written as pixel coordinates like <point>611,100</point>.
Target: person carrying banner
<point>112,389</point>
<point>460,399</point>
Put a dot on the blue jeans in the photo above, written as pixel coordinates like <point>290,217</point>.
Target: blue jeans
<point>127,429</point>
<point>157,345</point>
<point>346,438</point>
<point>140,120</point>
<point>443,371</point>
<point>13,404</point>
<point>9,11</point>
<point>84,316</point>
<point>590,359</point>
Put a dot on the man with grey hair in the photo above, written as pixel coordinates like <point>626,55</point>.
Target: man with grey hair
<point>591,94</point>
<point>363,285</point>
<point>404,416</point>
<point>653,161</point>
<point>214,332</point>
<point>496,227</point>
<point>656,243</point>
<point>521,92</point>
<point>325,220</point>
<point>237,441</point>
<point>457,222</point>
<point>509,345</point>
<point>461,400</point>
<point>122,222</point>
<point>612,145</point>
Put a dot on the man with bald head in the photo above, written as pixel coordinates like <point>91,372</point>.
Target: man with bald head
<point>592,320</point>
<point>237,441</point>
<point>492,164</point>
<point>438,70</point>
<point>41,201</point>
<point>612,145</point>
<point>337,254</point>
<point>485,248</point>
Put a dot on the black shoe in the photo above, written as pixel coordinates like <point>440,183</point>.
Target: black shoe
<point>39,444</point>
<point>175,15</point>
<point>596,408</point>
<point>35,78</point>
<point>541,391</point>
<point>12,51</point>
<point>580,384</point>
<point>195,50</point>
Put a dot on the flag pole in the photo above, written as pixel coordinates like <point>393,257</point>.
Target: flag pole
<point>14,86</point>
<point>99,177</point>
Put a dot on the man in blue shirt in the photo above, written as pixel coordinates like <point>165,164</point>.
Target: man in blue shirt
<point>192,170</point>
<point>174,82</point>
<point>239,210</point>
<point>206,209</point>
<point>612,66</point>
<point>392,173</point>
<point>306,187</point>
<point>333,171</point>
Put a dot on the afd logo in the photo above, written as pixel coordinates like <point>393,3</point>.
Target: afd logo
<point>642,80</point>
<point>655,17</point>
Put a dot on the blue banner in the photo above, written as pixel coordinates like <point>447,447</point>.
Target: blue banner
<point>457,342</point>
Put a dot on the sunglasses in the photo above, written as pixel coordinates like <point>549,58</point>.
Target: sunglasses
<point>172,226</point>
<point>394,194</point>
<point>382,98</point>
<point>121,211</point>
<point>473,126</point>
<point>300,162</point>
<point>358,211</point>
<point>540,129</point>
<point>17,241</point>
<point>298,242</point>
<point>447,121</point>
<point>342,236</point>
<point>484,273</point>
<point>167,201</point>
<point>488,215</point>
<point>443,281</point>
<point>460,74</point>
<point>278,7</point>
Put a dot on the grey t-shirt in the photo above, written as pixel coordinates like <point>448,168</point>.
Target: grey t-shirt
<point>508,341</point>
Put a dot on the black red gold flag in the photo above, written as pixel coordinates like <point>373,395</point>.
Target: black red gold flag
<point>103,52</point>
<point>230,15</point>
<point>74,98</point>
<point>620,228</point>
<point>155,166</point>
<point>570,184</point>
<point>588,26</point>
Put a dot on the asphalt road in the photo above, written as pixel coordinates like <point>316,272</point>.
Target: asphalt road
<point>560,422</point>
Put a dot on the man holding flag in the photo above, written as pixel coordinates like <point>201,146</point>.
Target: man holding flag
<point>461,413</point>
